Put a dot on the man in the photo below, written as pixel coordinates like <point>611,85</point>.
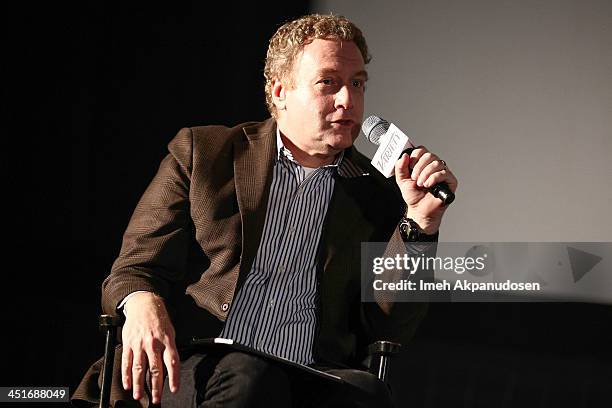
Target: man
<point>252,233</point>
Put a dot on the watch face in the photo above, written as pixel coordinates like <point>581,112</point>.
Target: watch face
<point>414,235</point>
<point>408,231</point>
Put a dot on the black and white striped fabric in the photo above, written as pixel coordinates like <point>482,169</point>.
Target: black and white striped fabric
<point>275,310</point>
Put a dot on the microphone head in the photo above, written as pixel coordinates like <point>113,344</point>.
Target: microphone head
<point>374,127</point>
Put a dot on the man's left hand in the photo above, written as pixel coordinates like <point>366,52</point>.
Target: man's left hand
<point>427,171</point>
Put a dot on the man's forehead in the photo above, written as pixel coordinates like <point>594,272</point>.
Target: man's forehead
<point>326,46</point>
<point>328,54</point>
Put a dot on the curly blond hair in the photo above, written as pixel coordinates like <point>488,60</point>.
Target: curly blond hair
<point>291,38</point>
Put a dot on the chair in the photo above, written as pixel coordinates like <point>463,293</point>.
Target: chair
<point>108,325</point>
<point>379,354</point>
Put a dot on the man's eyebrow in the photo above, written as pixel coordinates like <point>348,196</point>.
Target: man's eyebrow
<point>363,73</point>
<point>327,71</point>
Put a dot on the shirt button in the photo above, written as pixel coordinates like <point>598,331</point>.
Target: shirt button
<point>224,307</point>
<point>291,230</point>
<point>271,302</point>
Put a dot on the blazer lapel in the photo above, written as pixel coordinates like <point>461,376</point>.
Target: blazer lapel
<point>253,163</point>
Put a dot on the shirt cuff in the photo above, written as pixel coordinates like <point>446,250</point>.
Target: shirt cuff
<point>125,299</point>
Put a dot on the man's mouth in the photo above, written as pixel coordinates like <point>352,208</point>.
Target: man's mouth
<point>344,122</point>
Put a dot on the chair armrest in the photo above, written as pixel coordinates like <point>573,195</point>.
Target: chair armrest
<point>108,321</point>
<point>108,324</point>
<point>380,352</point>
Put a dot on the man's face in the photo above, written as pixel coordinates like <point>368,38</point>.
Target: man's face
<point>323,107</point>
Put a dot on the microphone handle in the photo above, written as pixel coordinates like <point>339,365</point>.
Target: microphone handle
<point>443,192</point>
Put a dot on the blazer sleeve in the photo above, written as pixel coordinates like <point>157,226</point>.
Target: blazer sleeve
<point>155,244</point>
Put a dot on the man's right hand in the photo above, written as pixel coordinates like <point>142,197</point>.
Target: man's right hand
<point>148,343</point>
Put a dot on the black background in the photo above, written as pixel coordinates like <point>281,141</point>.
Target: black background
<point>91,96</point>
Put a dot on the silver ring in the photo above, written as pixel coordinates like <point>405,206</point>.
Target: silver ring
<point>444,164</point>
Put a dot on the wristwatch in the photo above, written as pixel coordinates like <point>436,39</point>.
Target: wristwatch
<point>410,232</point>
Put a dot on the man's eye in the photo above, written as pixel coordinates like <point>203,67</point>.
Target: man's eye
<point>326,81</point>
<point>357,83</point>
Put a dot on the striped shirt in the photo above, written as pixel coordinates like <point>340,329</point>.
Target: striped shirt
<point>275,310</point>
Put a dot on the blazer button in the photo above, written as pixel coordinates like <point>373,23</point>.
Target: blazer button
<point>224,307</point>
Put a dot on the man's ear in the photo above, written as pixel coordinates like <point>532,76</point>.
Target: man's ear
<point>279,94</point>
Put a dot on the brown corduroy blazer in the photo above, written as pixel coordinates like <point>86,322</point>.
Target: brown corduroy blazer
<point>195,232</point>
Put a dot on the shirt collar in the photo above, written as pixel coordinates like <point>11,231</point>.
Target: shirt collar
<point>343,165</point>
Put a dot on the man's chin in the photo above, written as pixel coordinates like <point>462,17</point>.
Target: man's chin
<point>338,147</point>
<point>343,140</point>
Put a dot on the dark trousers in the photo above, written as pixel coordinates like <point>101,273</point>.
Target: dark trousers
<point>242,380</point>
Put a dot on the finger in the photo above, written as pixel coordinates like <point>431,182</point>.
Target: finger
<point>126,367</point>
<point>402,169</point>
<point>442,176</point>
<point>156,369</point>
<point>419,160</point>
<point>171,360</point>
<point>415,155</point>
<point>431,168</point>
<point>138,373</point>
<point>420,166</point>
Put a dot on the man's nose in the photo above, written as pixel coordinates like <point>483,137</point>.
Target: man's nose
<point>344,99</point>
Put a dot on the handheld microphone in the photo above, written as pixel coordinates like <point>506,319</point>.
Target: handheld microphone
<point>392,143</point>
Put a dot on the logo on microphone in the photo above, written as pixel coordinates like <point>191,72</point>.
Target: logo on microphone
<point>393,143</point>
<point>390,147</point>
